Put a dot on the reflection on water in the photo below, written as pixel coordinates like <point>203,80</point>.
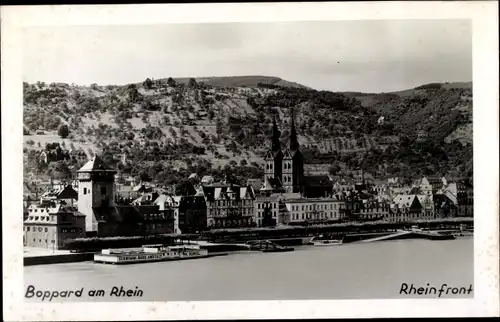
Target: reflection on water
<point>350,271</point>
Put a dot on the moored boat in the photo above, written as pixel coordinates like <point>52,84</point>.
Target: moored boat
<point>267,246</point>
<point>322,241</point>
<point>150,253</point>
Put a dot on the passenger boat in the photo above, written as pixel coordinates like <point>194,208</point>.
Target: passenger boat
<point>267,246</point>
<point>322,241</point>
<point>150,253</point>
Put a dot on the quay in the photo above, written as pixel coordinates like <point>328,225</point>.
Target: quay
<point>42,256</point>
<point>233,240</point>
<point>410,234</point>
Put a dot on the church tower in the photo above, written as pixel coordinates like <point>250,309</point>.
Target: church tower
<point>293,162</point>
<point>96,189</point>
<point>274,157</point>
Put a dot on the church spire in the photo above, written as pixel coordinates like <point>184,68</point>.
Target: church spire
<point>294,143</point>
<point>276,146</point>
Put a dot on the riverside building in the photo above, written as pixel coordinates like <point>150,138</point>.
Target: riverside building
<point>314,210</point>
<point>51,223</point>
<point>228,205</point>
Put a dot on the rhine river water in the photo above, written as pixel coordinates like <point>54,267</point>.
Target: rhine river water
<point>351,271</point>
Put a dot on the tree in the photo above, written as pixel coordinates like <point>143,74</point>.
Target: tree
<point>133,93</point>
<point>148,83</point>
<point>192,83</point>
<point>144,176</point>
<point>171,82</point>
<point>63,131</point>
<point>59,170</point>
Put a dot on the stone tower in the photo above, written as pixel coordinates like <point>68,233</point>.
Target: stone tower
<point>293,163</point>
<point>96,189</point>
<point>274,157</point>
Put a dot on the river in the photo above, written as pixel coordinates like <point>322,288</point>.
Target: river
<point>351,271</point>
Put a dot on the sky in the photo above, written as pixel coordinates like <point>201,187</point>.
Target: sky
<point>362,56</point>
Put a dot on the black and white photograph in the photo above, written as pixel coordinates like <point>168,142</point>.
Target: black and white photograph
<point>249,161</point>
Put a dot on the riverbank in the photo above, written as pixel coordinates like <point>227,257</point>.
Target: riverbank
<point>58,259</point>
<point>84,257</point>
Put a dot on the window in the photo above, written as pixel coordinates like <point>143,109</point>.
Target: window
<point>84,191</point>
<point>46,230</point>
<point>27,228</point>
<point>103,190</point>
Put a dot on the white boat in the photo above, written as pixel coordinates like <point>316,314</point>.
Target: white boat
<point>150,253</point>
<point>325,242</point>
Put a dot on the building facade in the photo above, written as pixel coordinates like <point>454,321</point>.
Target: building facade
<point>50,224</point>
<point>189,212</point>
<point>267,211</point>
<point>228,205</point>
<point>315,210</point>
<point>413,207</point>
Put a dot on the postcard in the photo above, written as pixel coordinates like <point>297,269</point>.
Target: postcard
<point>274,160</point>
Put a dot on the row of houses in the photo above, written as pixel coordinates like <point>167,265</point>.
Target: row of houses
<point>94,210</point>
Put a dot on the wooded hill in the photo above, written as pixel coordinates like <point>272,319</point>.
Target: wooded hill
<point>165,129</point>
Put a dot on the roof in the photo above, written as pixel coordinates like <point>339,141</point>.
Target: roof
<point>267,185</point>
<point>148,197</point>
<point>66,192</point>
<point>142,188</point>
<point>313,200</point>
<point>405,201</point>
<point>207,179</point>
<point>95,164</point>
<point>441,200</point>
<point>275,183</point>
<point>321,180</point>
<point>255,183</point>
<point>212,193</point>
<point>168,199</point>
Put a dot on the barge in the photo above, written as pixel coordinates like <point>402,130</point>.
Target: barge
<point>150,253</point>
<point>325,241</point>
<point>267,246</point>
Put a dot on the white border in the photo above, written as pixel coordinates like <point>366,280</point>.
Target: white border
<point>485,82</point>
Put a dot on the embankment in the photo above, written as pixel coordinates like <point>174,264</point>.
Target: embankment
<point>58,259</point>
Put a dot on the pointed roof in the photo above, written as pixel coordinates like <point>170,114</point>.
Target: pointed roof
<point>287,154</point>
<point>95,164</point>
<point>275,143</point>
<point>267,185</point>
<point>294,142</point>
<point>200,192</point>
<point>229,190</point>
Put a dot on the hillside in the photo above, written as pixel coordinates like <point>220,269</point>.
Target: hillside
<point>165,129</point>
<point>240,81</point>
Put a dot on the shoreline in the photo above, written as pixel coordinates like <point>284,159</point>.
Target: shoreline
<point>216,249</point>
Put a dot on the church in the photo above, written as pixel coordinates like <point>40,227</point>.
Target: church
<point>284,169</point>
